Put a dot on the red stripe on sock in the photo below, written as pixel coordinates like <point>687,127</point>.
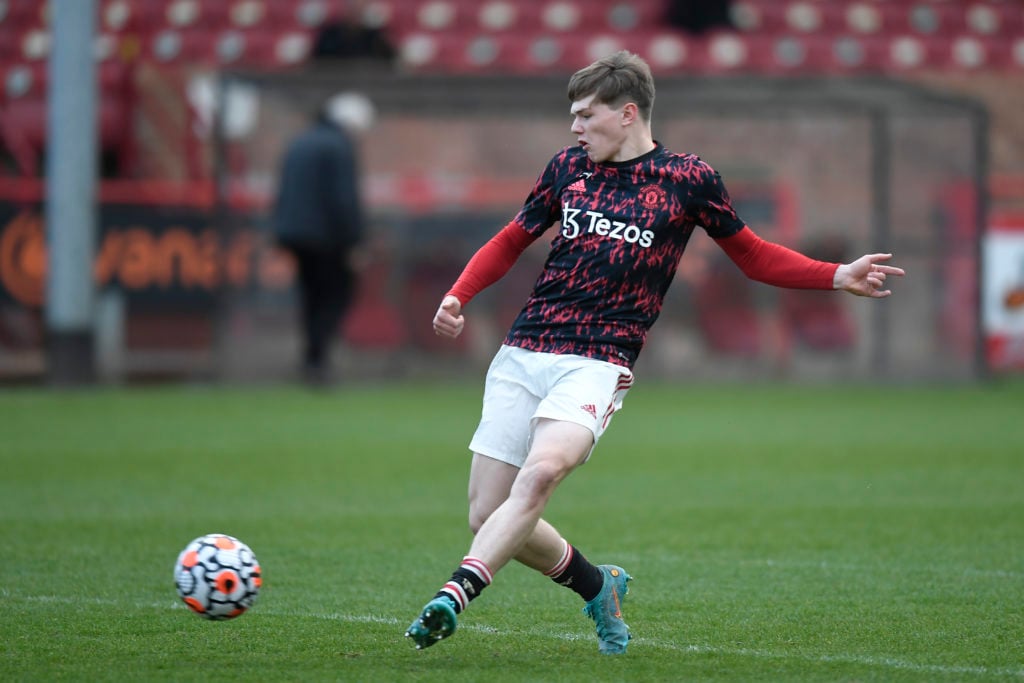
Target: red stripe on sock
<point>563,562</point>
<point>455,590</point>
<point>479,568</point>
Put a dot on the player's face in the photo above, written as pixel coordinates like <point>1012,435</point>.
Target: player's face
<point>598,128</point>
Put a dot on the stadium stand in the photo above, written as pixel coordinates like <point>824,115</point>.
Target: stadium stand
<point>777,38</point>
<point>766,36</point>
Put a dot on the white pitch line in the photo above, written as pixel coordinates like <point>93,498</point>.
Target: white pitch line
<point>631,558</point>
<point>858,660</point>
<point>842,566</point>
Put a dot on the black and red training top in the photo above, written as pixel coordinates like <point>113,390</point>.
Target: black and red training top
<point>623,228</point>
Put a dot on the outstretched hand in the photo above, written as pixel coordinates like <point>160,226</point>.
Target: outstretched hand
<point>866,276</point>
<point>448,320</point>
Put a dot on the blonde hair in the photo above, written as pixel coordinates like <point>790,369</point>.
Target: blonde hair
<point>614,80</point>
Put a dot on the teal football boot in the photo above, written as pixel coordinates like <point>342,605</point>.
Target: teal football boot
<point>436,622</point>
<point>606,611</point>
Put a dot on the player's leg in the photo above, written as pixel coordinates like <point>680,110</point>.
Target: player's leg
<point>589,393</point>
<point>546,550</point>
<point>558,447</point>
<point>490,482</point>
<point>500,491</point>
<point>504,434</point>
<point>515,530</point>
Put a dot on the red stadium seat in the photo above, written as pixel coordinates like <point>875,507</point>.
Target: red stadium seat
<point>994,19</point>
<point>854,54</point>
<point>421,51</point>
<point>35,44</point>
<point>306,14</point>
<point>23,14</point>
<point>225,47</point>
<point>564,16</point>
<point>910,53</point>
<point>472,53</point>
<point>580,50</point>
<point>512,36</point>
<point>805,16</point>
<point>932,19</point>
<point>1005,53</point>
<point>445,15</point>
<point>505,16</point>
<point>726,51</point>
<point>670,51</point>
<point>863,18</point>
<point>397,16</point>
<point>291,48</point>
<point>633,15</point>
<point>503,53</point>
<point>23,80</point>
<point>270,50</point>
<point>758,16</point>
<point>10,50</point>
<point>249,15</point>
<point>25,107</point>
<point>195,14</point>
<point>117,16</point>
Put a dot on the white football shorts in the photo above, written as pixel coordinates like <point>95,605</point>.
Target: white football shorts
<point>525,386</point>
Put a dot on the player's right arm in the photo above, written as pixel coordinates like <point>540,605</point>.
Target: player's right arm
<point>448,321</point>
<point>488,265</point>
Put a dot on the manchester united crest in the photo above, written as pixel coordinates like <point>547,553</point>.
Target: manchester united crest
<point>651,196</point>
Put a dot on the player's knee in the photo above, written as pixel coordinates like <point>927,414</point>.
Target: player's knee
<point>480,509</point>
<point>477,518</point>
<point>538,479</point>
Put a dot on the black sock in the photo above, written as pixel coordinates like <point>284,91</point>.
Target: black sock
<point>466,583</point>
<point>575,571</point>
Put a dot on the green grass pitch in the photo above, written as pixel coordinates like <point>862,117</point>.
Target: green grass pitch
<point>776,533</point>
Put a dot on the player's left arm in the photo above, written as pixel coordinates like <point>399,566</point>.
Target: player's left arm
<point>777,265</point>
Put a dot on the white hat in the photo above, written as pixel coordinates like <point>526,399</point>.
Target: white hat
<point>351,110</point>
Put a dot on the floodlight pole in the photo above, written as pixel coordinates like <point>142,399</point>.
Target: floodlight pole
<point>980,129</point>
<point>70,193</point>
<point>881,233</point>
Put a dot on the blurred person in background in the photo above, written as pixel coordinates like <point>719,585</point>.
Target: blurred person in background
<point>318,217</point>
<point>353,33</point>
<point>626,207</point>
<point>699,16</point>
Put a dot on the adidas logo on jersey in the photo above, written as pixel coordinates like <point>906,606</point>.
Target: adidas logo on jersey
<point>590,408</point>
<point>579,185</point>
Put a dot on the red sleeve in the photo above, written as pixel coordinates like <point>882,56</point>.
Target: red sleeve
<point>491,262</point>
<point>776,265</point>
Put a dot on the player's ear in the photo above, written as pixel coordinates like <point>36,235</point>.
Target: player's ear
<point>630,113</point>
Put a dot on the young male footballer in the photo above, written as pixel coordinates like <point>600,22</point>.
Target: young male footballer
<point>627,206</point>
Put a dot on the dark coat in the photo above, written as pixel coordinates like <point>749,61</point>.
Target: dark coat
<point>318,203</point>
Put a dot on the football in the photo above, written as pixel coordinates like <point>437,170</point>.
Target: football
<point>217,576</point>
